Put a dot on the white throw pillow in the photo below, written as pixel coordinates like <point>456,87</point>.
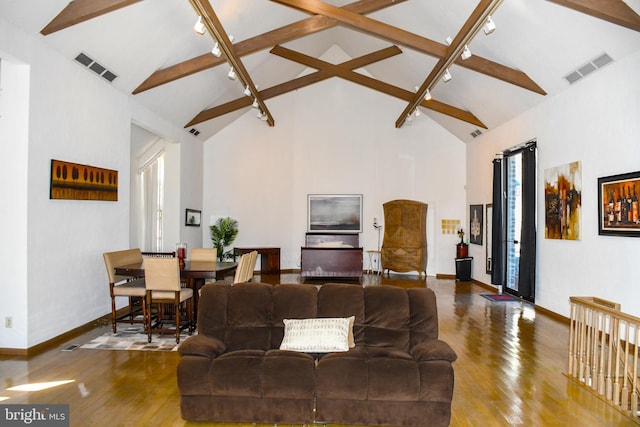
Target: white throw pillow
<point>318,335</point>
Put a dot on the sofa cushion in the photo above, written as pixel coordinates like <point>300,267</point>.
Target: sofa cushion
<point>317,335</point>
<point>368,373</point>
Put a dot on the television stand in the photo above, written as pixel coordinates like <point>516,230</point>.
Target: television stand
<point>331,255</point>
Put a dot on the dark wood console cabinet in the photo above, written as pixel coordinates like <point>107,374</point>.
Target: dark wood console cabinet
<point>329,255</point>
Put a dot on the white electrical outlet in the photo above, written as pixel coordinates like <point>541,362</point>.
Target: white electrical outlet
<point>8,322</point>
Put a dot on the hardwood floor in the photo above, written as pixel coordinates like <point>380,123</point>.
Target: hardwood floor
<point>509,372</point>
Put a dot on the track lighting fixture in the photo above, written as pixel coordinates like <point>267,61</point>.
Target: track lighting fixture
<point>261,115</point>
<point>409,119</point>
<point>490,26</point>
<point>427,95</point>
<point>216,50</point>
<point>416,112</point>
<point>449,40</point>
<point>447,75</point>
<point>247,91</point>
<point>199,26</point>
<point>232,74</point>
<point>231,38</point>
<point>466,53</point>
<point>255,103</point>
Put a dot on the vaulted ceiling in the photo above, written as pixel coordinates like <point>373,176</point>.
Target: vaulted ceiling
<point>149,49</point>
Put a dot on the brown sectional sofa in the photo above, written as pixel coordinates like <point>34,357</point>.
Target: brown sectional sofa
<point>398,374</point>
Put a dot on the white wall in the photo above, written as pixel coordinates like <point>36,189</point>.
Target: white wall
<point>597,122</point>
<point>57,274</point>
<point>14,117</point>
<point>332,137</point>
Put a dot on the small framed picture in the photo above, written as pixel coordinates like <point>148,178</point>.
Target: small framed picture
<point>475,224</point>
<point>192,218</point>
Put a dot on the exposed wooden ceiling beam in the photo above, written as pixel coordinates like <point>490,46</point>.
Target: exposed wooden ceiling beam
<point>471,27</point>
<point>217,31</point>
<point>292,85</point>
<point>614,11</point>
<point>261,42</point>
<point>347,74</point>
<point>413,41</point>
<point>78,11</point>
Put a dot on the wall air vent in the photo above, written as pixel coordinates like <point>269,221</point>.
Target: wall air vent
<point>588,68</point>
<point>94,66</point>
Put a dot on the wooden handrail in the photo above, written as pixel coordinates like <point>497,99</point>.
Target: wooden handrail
<point>603,351</point>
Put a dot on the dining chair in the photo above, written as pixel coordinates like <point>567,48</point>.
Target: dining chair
<point>125,286</point>
<point>159,254</point>
<point>162,281</point>
<point>203,254</point>
<point>246,266</point>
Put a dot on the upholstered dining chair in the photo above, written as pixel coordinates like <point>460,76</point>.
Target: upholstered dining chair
<point>246,266</point>
<point>204,254</point>
<point>125,286</point>
<point>162,281</point>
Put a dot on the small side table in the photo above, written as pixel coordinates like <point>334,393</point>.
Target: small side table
<point>374,256</point>
<point>463,268</point>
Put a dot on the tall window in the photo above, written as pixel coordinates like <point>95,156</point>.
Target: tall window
<point>152,202</point>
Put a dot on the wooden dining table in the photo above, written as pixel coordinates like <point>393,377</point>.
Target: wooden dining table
<point>193,272</point>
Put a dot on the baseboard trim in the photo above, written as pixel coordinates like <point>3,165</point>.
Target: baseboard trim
<point>57,340</point>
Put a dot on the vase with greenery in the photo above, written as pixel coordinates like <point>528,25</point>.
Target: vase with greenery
<point>223,233</point>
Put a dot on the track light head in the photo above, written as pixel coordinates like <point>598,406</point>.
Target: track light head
<point>489,26</point>
<point>466,53</point>
<point>427,95</point>
<point>255,103</point>
<point>231,74</point>
<point>247,91</point>
<point>216,50</point>
<point>449,40</point>
<point>416,112</point>
<point>199,26</point>
<point>447,76</point>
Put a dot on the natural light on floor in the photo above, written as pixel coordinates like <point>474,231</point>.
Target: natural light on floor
<point>39,386</point>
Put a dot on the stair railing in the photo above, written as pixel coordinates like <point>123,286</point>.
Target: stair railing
<point>603,351</point>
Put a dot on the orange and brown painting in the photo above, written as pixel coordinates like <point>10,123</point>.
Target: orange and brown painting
<point>82,182</point>
<point>563,202</point>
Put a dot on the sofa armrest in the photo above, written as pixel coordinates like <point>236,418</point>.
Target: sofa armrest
<point>201,345</point>
<point>433,350</point>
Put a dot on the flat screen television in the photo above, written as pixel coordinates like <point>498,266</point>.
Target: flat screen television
<point>334,213</point>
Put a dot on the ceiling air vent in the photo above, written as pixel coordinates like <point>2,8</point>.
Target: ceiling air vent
<point>97,68</point>
<point>476,133</point>
<point>588,68</point>
<point>194,131</point>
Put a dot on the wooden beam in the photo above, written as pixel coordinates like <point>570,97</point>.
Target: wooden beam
<point>78,11</point>
<point>614,11</point>
<point>413,41</point>
<point>347,74</point>
<point>217,31</point>
<point>264,41</point>
<point>292,85</point>
<point>471,27</point>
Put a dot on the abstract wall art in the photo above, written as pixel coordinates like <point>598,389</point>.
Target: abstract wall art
<point>563,202</point>
<point>74,181</point>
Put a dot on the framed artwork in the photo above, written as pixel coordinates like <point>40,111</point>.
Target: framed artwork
<point>563,202</point>
<point>618,205</point>
<point>192,218</point>
<point>73,181</point>
<point>335,213</point>
<point>476,224</point>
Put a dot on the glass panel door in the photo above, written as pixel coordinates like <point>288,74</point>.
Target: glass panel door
<point>513,219</point>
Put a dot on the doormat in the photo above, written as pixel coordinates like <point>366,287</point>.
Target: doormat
<point>500,297</point>
<point>134,338</point>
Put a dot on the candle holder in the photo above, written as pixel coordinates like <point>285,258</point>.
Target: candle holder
<point>181,251</point>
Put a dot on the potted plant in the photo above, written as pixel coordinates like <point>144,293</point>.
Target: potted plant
<point>223,233</point>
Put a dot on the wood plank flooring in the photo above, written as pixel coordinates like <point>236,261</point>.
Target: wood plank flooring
<point>509,372</point>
